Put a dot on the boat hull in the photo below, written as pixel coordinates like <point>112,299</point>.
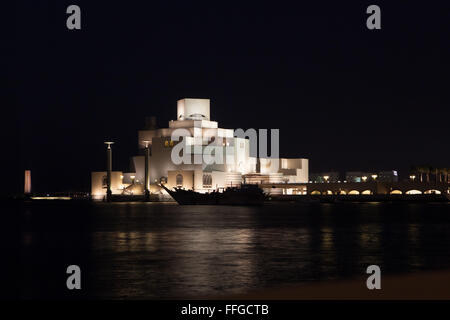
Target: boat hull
<point>233,196</point>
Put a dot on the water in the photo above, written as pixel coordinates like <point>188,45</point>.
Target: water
<point>155,250</point>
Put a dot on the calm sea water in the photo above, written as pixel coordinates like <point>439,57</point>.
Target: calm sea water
<point>155,250</point>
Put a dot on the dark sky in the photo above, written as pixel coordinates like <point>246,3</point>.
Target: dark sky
<point>345,97</point>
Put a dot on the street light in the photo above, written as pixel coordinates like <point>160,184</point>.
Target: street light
<point>147,176</point>
<point>364,178</point>
<point>412,177</point>
<point>374,176</point>
<point>108,170</point>
<point>326,178</point>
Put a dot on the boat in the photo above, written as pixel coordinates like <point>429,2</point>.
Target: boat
<point>245,195</point>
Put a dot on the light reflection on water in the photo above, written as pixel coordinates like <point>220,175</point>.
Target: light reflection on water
<point>168,251</point>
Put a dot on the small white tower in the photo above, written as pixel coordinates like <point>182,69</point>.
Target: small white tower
<point>27,186</point>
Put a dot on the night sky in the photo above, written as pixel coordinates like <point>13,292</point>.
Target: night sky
<point>345,97</point>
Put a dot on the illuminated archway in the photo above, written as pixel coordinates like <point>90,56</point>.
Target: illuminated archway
<point>366,192</point>
<point>315,192</point>
<point>354,192</point>
<point>329,192</point>
<point>432,192</point>
<point>396,192</point>
<point>413,192</point>
<point>342,192</point>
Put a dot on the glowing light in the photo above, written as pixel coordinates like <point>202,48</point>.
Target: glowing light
<point>326,178</point>
<point>413,192</point>
<point>364,178</point>
<point>146,143</point>
<point>109,143</point>
<point>412,177</point>
<point>51,198</point>
<point>374,176</point>
<point>432,192</point>
<point>27,188</point>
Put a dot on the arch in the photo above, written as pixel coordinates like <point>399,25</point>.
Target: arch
<point>179,180</point>
<point>433,191</point>
<point>342,192</point>
<point>413,192</point>
<point>396,192</point>
<point>353,192</point>
<point>367,192</point>
<point>329,192</point>
<point>316,192</point>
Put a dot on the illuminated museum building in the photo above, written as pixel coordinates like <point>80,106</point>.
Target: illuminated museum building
<point>193,115</point>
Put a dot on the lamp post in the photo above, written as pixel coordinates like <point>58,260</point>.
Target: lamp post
<point>108,170</point>
<point>147,176</point>
<point>412,177</point>
<point>364,179</point>
<point>374,177</point>
<point>326,178</point>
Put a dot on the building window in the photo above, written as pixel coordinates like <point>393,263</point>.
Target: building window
<point>207,181</point>
<point>179,180</point>
<point>197,116</point>
<point>168,143</point>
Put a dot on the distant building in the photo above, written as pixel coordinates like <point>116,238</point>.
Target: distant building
<point>358,176</point>
<point>322,177</point>
<point>388,176</point>
<point>382,176</point>
<point>27,184</point>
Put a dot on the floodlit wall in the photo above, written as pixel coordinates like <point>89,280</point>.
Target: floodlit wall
<point>303,171</point>
<point>187,180</point>
<point>98,184</point>
<point>188,108</point>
